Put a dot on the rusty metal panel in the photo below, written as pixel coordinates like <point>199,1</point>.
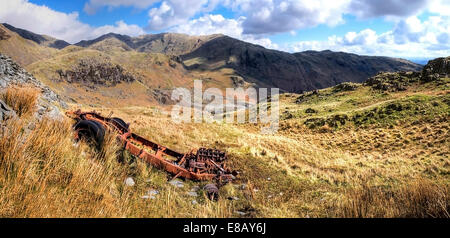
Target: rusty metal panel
<point>198,164</point>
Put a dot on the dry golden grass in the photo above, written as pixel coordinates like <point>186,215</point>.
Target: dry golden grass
<point>296,173</point>
<point>22,100</point>
<point>43,174</point>
<point>414,199</point>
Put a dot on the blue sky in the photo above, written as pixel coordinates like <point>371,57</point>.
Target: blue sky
<point>399,28</point>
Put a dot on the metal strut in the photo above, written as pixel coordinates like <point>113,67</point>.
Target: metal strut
<point>198,164</point>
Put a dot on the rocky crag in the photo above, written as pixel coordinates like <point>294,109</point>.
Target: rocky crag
<point>91,72</point>
<point>11,74</point>
<point>434,71</point>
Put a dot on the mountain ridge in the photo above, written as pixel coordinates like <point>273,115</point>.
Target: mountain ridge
<point>39,39</point>
<point>226,61</point>
<point>295,72</point>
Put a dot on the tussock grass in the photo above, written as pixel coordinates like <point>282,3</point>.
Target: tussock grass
<point>304,173</point>
<point>44,174</point>
<point>22,100</point>
<point>399,170</point>
<point>420,198</point>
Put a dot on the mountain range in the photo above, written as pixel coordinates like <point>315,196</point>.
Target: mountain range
<point>167,60</point>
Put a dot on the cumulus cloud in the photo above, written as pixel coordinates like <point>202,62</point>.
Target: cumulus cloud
<point>441,7</point>
<point>92,6</point>
<point>257,20</point>
<point>217,24</point>
<point>275,16</point>
<point>409,38</point>
<point>386,8</point>
<point>65,26</point>
<point>175,12</point>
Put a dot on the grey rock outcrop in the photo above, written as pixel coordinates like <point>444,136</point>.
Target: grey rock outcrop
<point>11,74</point>
<point>91,72</point>
<point>387,81</point>
<point>399,81</point>
<point>437,68</point>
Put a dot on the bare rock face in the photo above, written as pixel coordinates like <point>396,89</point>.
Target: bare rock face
<point>437,68</point>
<point>91,73</point>
<point>11,74</point>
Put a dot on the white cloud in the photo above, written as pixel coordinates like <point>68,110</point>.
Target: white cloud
<point>409,38</point>
<point>217,24</point>
<point>275,16</point>
<point>175,12</point>
<point>120,27</point>
<point>386,8</point>
<point>278,16</point>
<point>365,37</point>
<point>65,26</point>
<point>442,7</point>
<point>92,6</point>
<point>256,20</point>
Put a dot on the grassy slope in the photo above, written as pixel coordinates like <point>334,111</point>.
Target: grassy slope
<point>318,173</point>
<point>395,166</point>
<point>151,70</point>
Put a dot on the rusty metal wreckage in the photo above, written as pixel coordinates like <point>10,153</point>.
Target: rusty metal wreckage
<point>199,164</point>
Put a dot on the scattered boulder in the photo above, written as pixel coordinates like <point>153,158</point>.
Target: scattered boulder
<point>240,213</point>
<point>243,186</point>
<point>177,183</point>
<point>195,188</point>
<point>287,115</point>
<point>192,194</point>
<point>151,194</point>
<point>310,111</point>
<point>129,182</point>
<point>163,97</point>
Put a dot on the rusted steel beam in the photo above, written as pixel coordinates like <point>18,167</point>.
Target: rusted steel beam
<point>201,164</point>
